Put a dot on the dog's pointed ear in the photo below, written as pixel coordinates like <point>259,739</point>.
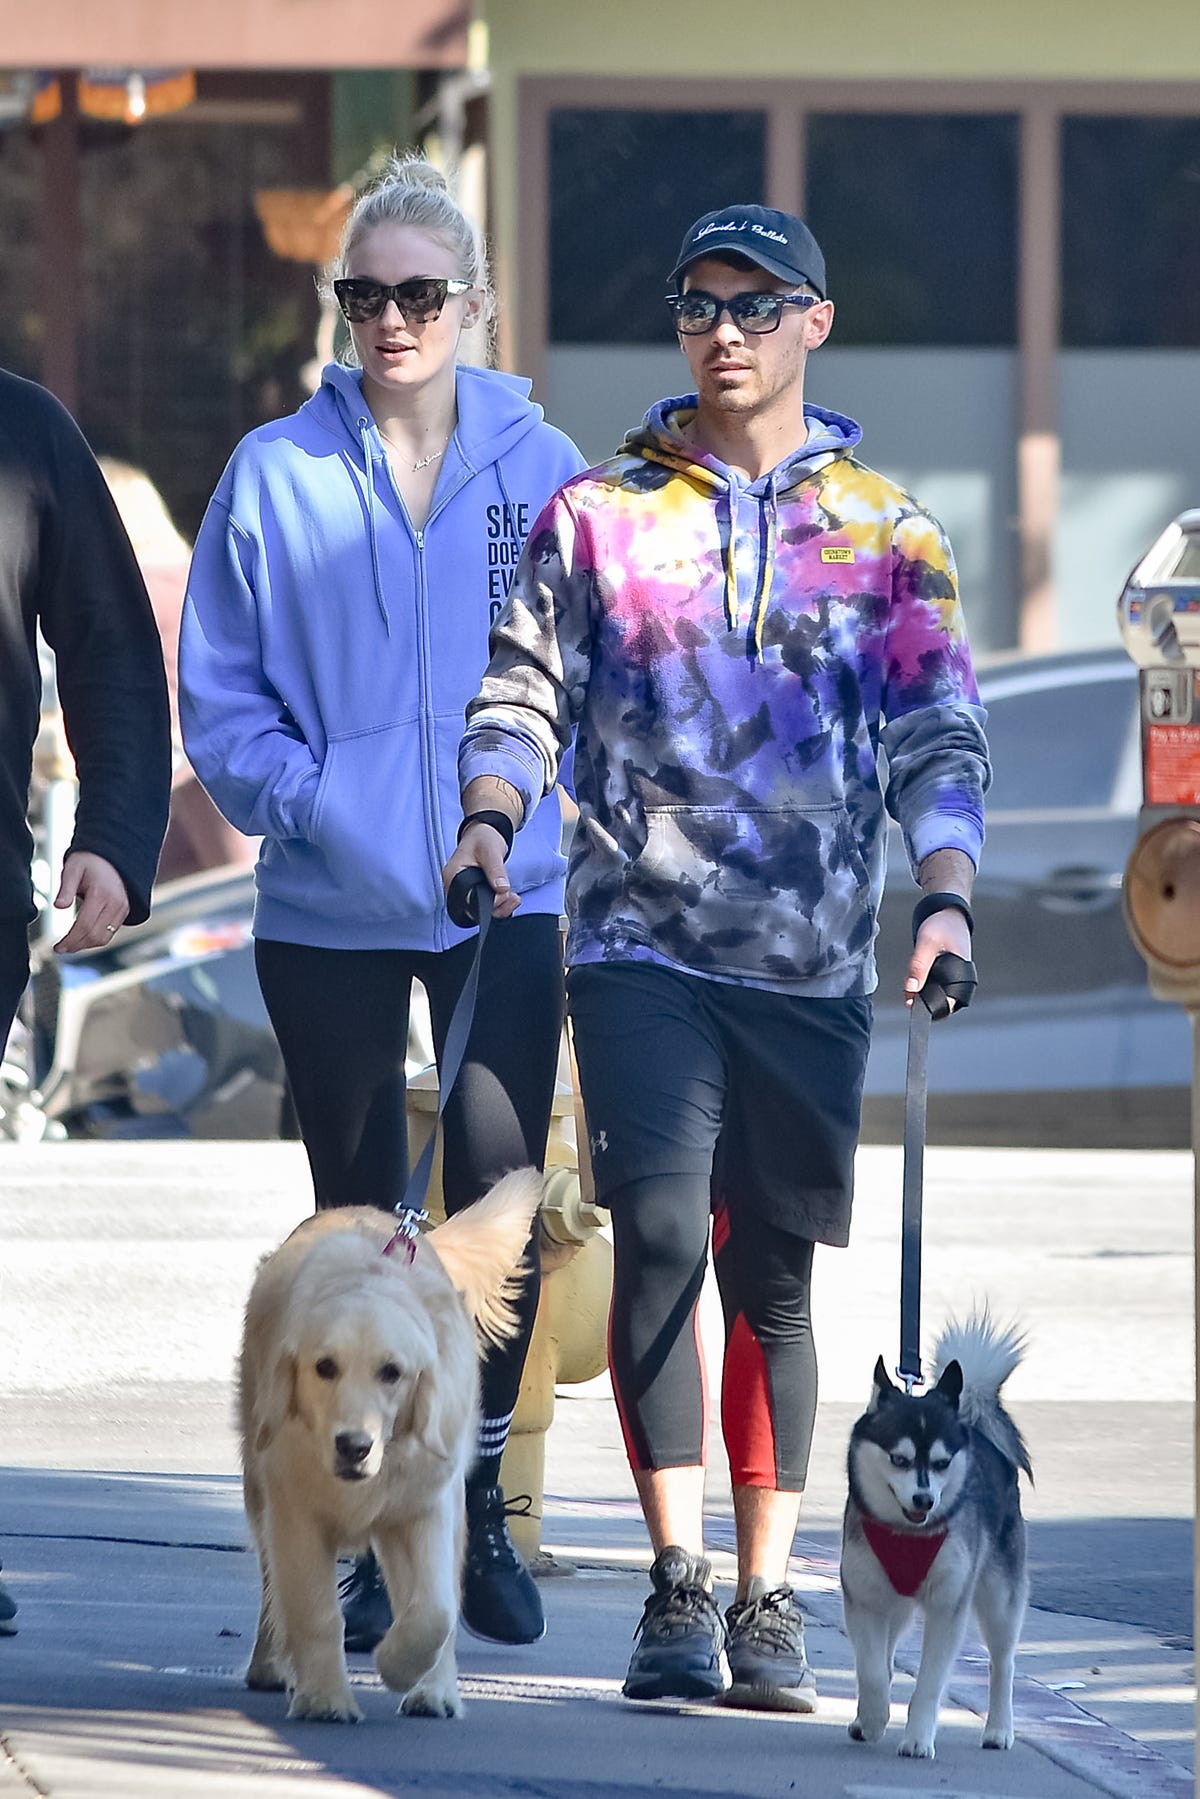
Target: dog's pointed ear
<point>277,1401</point>
<point>950,1385</point>
<point>880,1386</point>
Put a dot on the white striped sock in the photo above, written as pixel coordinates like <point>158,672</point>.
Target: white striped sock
<point>493,1435</point>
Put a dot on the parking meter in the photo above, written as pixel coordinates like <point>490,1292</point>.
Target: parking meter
<point>1159,614</point>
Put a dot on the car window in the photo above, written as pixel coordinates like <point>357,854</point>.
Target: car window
<point>1059,747</point>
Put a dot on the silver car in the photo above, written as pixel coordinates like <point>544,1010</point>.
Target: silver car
<point>1063,1043</point>
<point>165,1033</point>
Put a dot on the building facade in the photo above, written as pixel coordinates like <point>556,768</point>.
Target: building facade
<point>1009,203</point>
<point>1008,199</point>
<point>162,254</point>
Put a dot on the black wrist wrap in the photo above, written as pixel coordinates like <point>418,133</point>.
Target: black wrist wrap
<point>929,903</point>
<point>499,821</point>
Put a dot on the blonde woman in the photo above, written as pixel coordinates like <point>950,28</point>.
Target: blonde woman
<point>344,581</point>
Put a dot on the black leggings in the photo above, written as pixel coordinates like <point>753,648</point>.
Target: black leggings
<point>769,1377</point>
<point>14,972</point>
<point>341,1018</point>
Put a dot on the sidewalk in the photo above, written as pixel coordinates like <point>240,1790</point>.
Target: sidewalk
<point>138,1608</point>
<point>123,1540</point>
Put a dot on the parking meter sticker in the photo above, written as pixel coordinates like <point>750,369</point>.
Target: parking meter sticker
<point>1168,694</point>
<point>1173,765</point>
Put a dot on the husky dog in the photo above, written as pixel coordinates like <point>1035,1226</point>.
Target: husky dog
<point>933,1519</point>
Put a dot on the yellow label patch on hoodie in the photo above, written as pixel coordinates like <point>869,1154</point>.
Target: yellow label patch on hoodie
<point>837,554</point>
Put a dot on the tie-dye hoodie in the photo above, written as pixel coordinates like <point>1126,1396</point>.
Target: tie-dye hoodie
<point>735,655</point>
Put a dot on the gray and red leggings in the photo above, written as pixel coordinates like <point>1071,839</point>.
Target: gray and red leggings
<point>736,1110</point>
<point>769,1377</point>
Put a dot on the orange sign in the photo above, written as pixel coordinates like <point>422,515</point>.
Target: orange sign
<point>1173,765</point>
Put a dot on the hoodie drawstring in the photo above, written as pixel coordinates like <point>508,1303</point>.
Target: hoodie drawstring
<point>767,523</point>
<point>364,431</point>
<point>731,594</point>
<point>658,439</point>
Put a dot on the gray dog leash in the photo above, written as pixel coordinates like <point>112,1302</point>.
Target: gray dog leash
<point>469,901</point>
<point>950,978</point>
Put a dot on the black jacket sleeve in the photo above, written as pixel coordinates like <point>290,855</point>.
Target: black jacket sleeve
<point>95,614</point>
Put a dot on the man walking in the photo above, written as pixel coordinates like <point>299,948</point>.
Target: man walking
<point>66,566</point>
<point>736,617</point>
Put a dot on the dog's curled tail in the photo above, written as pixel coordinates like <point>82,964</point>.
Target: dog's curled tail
<point>482,1248</point>
<point>987,1353</point>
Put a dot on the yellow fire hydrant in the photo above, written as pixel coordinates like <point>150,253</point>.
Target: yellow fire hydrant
<point>570,1333</point>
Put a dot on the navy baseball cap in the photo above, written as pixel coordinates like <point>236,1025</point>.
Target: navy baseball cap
<point>777,241</point>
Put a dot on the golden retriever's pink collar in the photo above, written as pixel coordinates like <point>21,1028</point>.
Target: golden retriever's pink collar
<point>409,1220</point>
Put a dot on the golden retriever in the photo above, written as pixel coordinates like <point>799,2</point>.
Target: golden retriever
<point>358,1400</point>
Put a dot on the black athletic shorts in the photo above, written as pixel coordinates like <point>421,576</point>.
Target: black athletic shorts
<point>682,1075</point>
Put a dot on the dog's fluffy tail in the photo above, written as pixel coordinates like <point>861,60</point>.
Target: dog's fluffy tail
<point>481,1249</point>
<point>987,1353</point>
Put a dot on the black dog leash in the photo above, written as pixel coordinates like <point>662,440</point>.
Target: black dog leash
<point>468,901</point>
<point>950,978</point>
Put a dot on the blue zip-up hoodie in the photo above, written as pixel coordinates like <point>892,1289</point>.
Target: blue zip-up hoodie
<point>328,651</point>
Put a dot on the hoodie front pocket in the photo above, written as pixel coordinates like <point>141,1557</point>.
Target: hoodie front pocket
<point>775,893</point>
<point>370,824</point>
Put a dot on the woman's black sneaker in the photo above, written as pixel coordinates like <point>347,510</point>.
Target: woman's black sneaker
<point>680,1648</point>
<point>366,1608</point>
<point>500,1601</point>
<point>766,1653</point>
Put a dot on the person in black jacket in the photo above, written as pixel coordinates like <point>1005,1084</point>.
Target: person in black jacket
<point>66,565</point>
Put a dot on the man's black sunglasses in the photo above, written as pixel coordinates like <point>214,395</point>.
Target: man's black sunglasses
<point>697,312</point>
<point>419,300</point>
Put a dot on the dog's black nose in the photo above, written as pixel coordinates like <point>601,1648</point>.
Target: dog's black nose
<point>922,1500</point>
<point>352,1445</point>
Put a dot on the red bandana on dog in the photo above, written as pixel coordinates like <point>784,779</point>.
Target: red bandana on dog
<point>905,1558</point>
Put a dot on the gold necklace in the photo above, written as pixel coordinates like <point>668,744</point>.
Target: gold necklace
<point>422,462</point>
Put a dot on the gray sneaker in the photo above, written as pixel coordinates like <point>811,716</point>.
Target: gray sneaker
<point>766,1653</point>
<point>680,1648</point>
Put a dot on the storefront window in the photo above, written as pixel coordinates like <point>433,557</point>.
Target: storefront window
<point>190,329</point>
<point>624,187</point>
<point>917,216</point>
<point>1131,233</point>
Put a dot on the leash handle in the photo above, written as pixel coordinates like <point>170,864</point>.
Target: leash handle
<point>454,1048</point>
<point>950,978</point>
<point>462,897</point>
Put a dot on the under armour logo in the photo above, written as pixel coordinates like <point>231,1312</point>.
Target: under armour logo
<point>599,1143</point>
